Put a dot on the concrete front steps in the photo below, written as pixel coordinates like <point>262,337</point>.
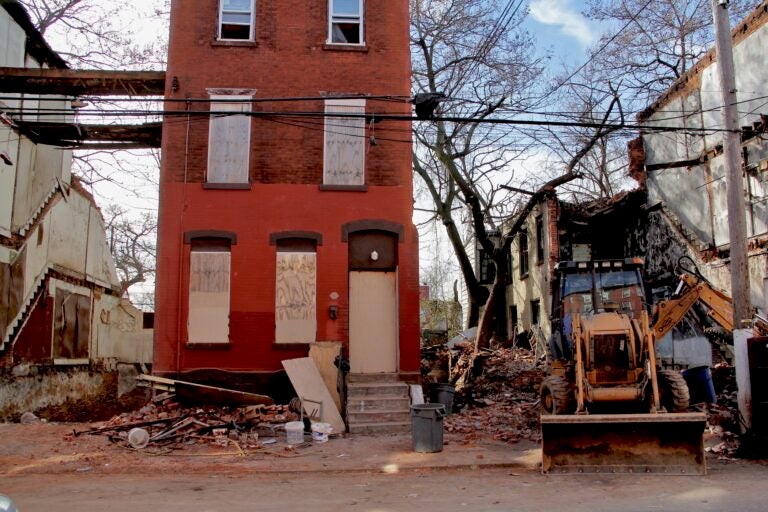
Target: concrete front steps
<point>378,404</point>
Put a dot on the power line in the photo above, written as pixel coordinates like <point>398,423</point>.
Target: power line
<point>388,117</point>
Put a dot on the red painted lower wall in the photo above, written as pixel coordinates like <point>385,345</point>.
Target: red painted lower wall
<point>253,215</point>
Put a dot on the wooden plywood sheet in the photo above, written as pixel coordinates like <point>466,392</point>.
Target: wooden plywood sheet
<point>309,385</point>
<point>323,354</point>
<point>295,297</point>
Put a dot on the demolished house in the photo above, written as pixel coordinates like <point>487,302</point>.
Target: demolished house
<point>277,232</point>
<point>558,231</point>
<point>684,171</point>
<point>61,313</point>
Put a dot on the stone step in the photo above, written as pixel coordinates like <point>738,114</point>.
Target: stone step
<point>393,389</point>
<point>374,403</point>
<point>380,428</point>
<point>372,377</point>
<point>381,416</point>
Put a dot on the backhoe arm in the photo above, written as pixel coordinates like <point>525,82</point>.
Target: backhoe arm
<point>670,312</point>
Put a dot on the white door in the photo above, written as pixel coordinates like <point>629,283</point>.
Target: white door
<point>373,324</point>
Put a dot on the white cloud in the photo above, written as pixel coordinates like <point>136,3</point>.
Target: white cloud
<point>560,13</point>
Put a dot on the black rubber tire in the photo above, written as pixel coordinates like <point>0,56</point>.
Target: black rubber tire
<point>673,389</point>
<point>556,396</point>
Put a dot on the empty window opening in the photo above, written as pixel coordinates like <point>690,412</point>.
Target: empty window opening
<point>346,22</point>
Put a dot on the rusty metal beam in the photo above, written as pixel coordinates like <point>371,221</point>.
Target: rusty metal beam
<point>93,136</point>
<point>82,82</point>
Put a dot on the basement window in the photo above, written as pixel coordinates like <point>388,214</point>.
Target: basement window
<point>236,20</point>
<point>345,22</point>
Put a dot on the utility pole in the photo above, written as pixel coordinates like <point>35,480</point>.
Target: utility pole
<point>737,225</point>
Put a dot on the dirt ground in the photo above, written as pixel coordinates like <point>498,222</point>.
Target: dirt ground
<point>44,468</point>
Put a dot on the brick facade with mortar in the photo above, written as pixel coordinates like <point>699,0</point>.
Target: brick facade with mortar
<point>288,58</point>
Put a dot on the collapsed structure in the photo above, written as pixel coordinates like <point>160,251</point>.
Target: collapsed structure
<point>61,310</point>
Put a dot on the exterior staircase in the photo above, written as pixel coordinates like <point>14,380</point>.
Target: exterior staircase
<point>377,404</point>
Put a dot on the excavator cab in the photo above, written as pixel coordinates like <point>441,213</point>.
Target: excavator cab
<point>603,360</point>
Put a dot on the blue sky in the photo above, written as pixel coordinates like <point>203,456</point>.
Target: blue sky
<point>559,25</point>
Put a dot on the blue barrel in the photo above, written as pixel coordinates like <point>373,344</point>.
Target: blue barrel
<point>700,385</point>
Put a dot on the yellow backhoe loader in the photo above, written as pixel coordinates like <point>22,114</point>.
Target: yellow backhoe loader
<point>693,288</point>
<point>606,406</point>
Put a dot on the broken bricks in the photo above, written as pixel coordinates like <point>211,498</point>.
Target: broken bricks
<point>169,424</point>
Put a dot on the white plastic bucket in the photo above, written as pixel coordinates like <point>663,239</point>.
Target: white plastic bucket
<point>294,432</point>
<point>320,432</point>
<point>138,438</point>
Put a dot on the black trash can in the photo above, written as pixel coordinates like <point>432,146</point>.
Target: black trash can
<point>427,427</point>
<point>442,393</point>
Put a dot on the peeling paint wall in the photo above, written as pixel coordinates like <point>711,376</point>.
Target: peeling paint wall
<point>30,391</point>
<point>78,394</point>
<point>693,194</point>
<point>119,332</point>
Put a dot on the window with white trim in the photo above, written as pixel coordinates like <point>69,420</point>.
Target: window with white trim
<point>345,143</point>
<point>229,138</point>
<point>209,285</point>
<point>345,22</point>
<point>236,20</point>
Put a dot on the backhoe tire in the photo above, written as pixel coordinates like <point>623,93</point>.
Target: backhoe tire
<point>673,389</point>
<point>556,396</point>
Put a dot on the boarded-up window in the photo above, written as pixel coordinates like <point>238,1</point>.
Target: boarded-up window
<point>71,325</point>
<point>295,296</point>
<point>344,162</point>
<point>209,278</point>
<point>229,138</point>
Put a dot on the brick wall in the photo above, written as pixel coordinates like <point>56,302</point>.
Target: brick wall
<point>288,59</point>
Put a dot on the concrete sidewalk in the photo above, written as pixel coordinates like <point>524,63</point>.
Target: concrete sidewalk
<point>389,454</point>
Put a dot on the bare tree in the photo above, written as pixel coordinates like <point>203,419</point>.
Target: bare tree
<point>98,34</point>
<point>651,43</point>
<point>132,243</point>
<point>603,170</point>
<point>474,54</point>
<point>500,252</point>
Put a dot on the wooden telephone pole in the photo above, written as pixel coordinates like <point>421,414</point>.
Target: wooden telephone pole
<point>737,225</point>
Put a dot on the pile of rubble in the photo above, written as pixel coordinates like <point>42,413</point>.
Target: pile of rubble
<point>165,422</point>
<point>502,397</point>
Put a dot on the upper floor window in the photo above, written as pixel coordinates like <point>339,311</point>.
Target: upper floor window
<point>229,137</point>
<point>345,21</point>
<point>345,142</point>
<point>522,240</point>
<point>236,20</point>
<point>539,239</point>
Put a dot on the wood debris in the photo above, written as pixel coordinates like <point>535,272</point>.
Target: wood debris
<point>172,425</point>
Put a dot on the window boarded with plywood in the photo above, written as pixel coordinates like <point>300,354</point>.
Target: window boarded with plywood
<point>71,325</point>
<point>209,285</point>
<point>345,143</point>
<point>296,296</point>
<point>229,140</point>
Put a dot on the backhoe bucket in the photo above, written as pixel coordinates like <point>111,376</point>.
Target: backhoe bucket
<point>671,443</point>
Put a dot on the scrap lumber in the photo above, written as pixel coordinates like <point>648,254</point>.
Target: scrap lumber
<point>309,385</point>
<point>191,392</point>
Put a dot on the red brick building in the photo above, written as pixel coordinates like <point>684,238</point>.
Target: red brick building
<point>280,231</point>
